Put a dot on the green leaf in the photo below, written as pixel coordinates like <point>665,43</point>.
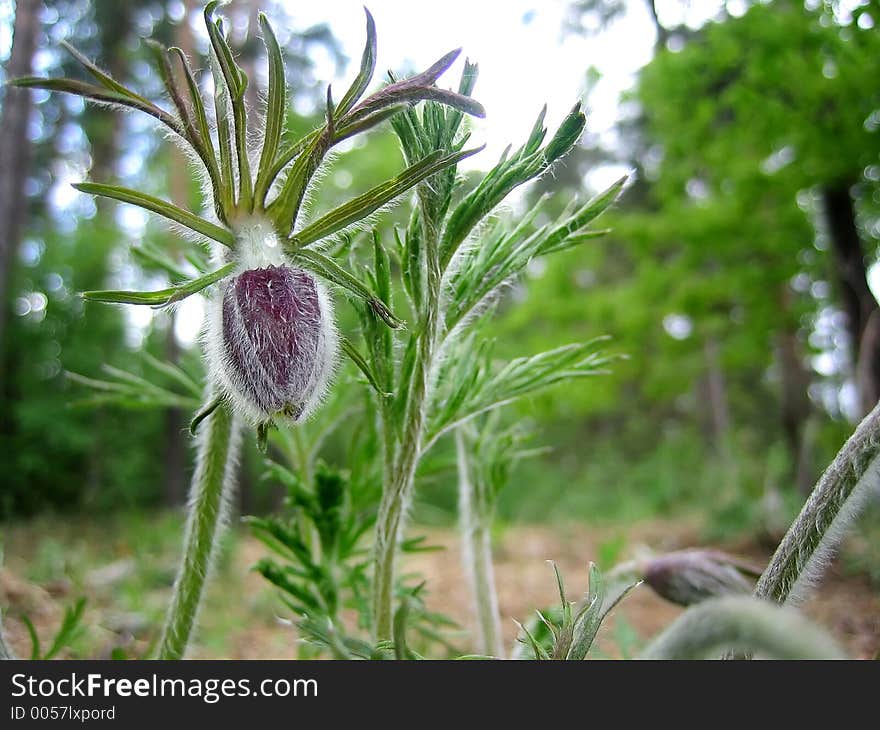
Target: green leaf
<point>102,77</point>
<point>203,414</point>
<point>567,135</point>
<point>101,95</point>
<point>351,351</point>
<point>589,618</point>
<point>368,67</point>
<point>286,207</point>
<point>526,164</point>
<point>476,386</point>
<point>35,639</point>
<point>363,205</point>
<point>563,601</point>
<point>236,84</point>
<point>70,627</point>
<point>333,272</point>
<point>345,131</point>
<point>565,236</point>
<point>275,111</point>
<point>174,373</point>
<point>163,297</point>
<point>206,148</point>
<point>149,255</point>
<point>222,109</point>
<point>160,56</point>
<point>160,207</point>
<point>401,652</point>
<point>540,651</point>
<point>292,152</point>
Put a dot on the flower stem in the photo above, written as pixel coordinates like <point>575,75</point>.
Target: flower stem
<point>398,481</point>
<point>396,497</point>
<point>212,483</point>
<point>477,556</point>
<point>841,493</point>
<point>743,624</point>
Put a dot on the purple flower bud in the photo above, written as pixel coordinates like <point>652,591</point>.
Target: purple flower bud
<point>687,577</point>
<point>277,341</point>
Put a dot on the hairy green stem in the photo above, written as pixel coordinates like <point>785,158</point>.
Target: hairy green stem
<point>477,556</point>
<point>398,482</point>
<point>841,493</point>
<point>397,494</point>
<point>742,624</point>
<point>212,483</point>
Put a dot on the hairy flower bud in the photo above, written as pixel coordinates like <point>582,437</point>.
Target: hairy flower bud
<point>687,577</point>
<point>274,342</point>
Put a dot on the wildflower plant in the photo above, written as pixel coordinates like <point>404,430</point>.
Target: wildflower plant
<point>423,350</point>
<point>271,342</point>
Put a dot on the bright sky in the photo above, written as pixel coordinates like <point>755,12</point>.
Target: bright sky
<point>525,58</point>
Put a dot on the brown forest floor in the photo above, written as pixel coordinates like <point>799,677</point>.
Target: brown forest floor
<point>241,617</point>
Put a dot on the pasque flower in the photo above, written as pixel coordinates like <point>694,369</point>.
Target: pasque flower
<point>271,341</point>
<point>278,341</point>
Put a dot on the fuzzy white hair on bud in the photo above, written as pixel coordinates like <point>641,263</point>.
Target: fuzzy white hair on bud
<point>270,338</point>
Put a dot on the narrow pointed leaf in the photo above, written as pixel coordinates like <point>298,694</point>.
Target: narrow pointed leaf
<point>368,122</point>
<point>562,236</point>
<point>401,652</point>
<point>222,112</point>
<point>160,56</point>
<point>589,619</point>
<point>365,75</point>
<point>540,651</point>
<point>567,135</point>
<point>236,84</point>
<point>163,297</point>
<point>160,207</point>
<point>102,77</point>
<point>150,255</point>
<point>174,373</point>
<point>275,110</point>
<point>360,362</point>
<point>291,153</point>
<point>99,94</point>
<point>206,144</point>
<point>333,272</point>
<point>363,205</point>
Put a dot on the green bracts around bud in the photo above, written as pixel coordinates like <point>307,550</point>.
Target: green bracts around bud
<point>163,297</point>
<point>167,210</point>
<point>364,205</point>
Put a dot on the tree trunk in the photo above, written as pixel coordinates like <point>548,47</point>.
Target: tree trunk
<point>15,152</point>
<point>716,388</point>
<point>857,300</point>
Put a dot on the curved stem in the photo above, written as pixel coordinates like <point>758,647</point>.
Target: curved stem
<point>742,623</point>
<point>841,493</point>
<point>212,484</point>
